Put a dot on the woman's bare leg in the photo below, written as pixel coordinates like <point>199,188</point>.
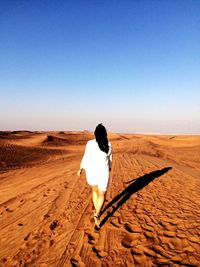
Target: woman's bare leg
<point>95,196</point>
<point>101,199</point>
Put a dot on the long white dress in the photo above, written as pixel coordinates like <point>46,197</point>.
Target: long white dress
<point>96,163</point>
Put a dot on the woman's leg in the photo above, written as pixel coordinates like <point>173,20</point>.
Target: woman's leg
<point>95,196</point>
<point>101,198</point>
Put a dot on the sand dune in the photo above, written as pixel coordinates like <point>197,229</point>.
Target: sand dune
<point>151,216</point>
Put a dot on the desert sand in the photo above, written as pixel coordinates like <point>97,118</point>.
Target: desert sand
<point>151,216</point>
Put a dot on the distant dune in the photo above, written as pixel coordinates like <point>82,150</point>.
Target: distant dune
<point>64,139</point>
<point>151,216</point>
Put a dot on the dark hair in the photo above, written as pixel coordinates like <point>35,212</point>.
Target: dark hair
<point>101,137</point>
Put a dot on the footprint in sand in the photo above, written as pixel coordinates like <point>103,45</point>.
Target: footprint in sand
<point>76,261</point>
<point>132,228</point>
<point>4,260</point>
<point>99,251</point>
<point>91,239</point>
<point>91,236</point>
<point>9,210</point>
<point>46,216</point>
<point>65,185</point>
<point>54,224</point>
<point>130,240</point>
<point>27,237</point>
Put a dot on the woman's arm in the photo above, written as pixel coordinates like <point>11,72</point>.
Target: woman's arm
<point>84,160</point>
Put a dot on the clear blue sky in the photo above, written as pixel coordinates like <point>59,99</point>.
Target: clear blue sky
<point>68,65</point>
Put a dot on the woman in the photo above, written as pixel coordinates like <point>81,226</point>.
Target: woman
<point>97,162</point>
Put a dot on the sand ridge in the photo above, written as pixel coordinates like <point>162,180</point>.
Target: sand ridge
<point>151,216</point>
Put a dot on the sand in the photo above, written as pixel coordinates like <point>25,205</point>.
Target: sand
<point>151,216</point>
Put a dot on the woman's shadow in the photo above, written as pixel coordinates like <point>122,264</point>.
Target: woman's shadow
<point>136,185</point>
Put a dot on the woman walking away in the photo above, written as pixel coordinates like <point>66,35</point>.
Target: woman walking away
<point>97,162</point>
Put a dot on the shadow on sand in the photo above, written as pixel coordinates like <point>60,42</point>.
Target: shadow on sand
<point>136,185</point>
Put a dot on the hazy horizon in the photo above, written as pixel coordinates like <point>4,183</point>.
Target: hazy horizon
<point>92,131</point>
<point>133,65</point>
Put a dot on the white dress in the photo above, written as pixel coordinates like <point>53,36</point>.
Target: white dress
<point>96,163</point>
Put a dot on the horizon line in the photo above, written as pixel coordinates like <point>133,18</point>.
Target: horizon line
<point>116,132</point>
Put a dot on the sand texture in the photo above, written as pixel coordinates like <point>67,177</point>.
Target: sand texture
<point>151,216</point>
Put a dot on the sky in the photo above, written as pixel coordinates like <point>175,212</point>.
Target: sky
<point>132,65</point>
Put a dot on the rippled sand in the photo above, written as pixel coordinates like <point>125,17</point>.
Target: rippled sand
<point>151,216</point>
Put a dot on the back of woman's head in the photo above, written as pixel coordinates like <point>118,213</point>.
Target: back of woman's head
<point>101,137</point>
